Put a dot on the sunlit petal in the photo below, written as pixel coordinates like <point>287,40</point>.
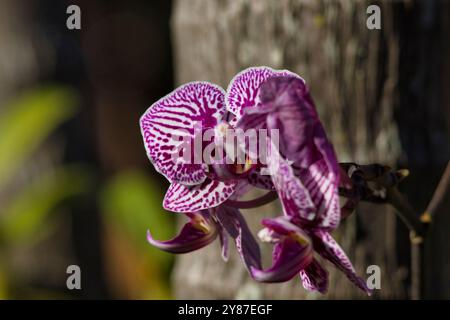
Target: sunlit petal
<point>178,117</point>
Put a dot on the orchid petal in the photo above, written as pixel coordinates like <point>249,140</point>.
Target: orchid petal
<point>258,180</point>
<point>315,277</point>
<point>286,103</point>
<point>322,187</point>
<point>294,196</point>
<point>195,234</point>
<point>289,258</point>
<point>302,141</point>
<point>328,248</point>
<point>252,119</point>
<point>327,200</point>
<point>291,254</point>
<point>242,187</point>
<point>283,226</point>
<point>178,117</point>
<point>234,223</point>
<point>224,244</point>
<point>209,194</point>
<point>243,89</point>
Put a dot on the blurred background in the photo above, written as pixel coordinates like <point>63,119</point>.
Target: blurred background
<point>76,186</point>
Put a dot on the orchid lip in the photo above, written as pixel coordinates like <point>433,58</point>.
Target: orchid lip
<point>233,171</point>
<point>194,235</point>
<point>293,250</point>
<point>199,223</point>
<point>179,247</point>
<point>299,238</point>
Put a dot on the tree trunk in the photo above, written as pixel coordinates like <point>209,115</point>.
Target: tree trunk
<point>354,74</point>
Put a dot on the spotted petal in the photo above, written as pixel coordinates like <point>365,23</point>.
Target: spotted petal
<point>208,194</point>
<point>328,248</point>
<point>171,124</point>
<point>259,180</point>
<point>315,277</point>
<point>196,234</point>
<point>242,92</point>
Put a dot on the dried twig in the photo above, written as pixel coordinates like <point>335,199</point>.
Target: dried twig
<point>385,190</point>
<point>438,195</point>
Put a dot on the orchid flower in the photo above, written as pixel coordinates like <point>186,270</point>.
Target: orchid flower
<point>184,115</point>
<point>303,171</point>
<point>305,174</point>
<point>200,190</point>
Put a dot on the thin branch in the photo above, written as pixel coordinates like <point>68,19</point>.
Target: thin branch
<point>405,211</point>
<point>417,244</point>
<point>417,270</point>
<point>439,193</point>
<point>385,191</point>
<point>387,181</point>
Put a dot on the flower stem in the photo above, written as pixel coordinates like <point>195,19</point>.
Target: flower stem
<point>417,270</point>
<point>265,199</point>
<point>405,211</point>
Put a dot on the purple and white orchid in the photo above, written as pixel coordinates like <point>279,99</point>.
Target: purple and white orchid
<point>303,171</point>
<point>196,189</point>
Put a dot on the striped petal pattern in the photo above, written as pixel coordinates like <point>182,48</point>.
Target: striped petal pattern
<point>242,92</point>
<point>322,185</point>
<point>310,191</point>
<point>294,196</point>
<point>178,118</point>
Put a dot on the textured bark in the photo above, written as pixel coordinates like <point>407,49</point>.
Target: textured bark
<point>354,76</point>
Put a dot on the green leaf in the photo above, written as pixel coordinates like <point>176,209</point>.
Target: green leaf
<point>28,212</point>
<point>27,121</point>
<point>133,201</point>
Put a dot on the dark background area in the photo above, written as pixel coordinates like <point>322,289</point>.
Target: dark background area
<point>117,64</point>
